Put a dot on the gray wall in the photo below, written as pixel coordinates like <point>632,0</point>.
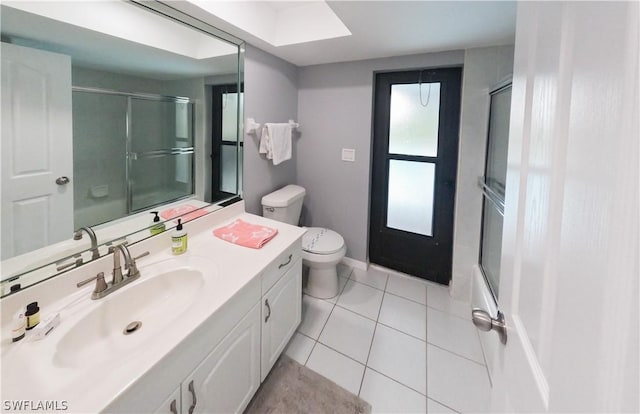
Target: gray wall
<point>483,68</point>
<point>335,112</point>
<point>271,95</point>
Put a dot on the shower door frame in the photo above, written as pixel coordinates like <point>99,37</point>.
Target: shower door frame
<point>132,156</point>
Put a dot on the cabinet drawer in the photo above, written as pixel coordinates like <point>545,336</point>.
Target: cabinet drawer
<point>281,265</point>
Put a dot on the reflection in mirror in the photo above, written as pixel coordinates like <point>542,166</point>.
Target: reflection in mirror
<point>103,123</point>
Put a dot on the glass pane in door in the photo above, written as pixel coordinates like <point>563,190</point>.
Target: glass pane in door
<point>159,179</point>
<point>160,125</point>
<point>410,196</point>
<point>230,164</point>
<point>491,247</point>
<point>414,119</point>
<point>496,168</point>
<point>230,116</point>
<point>99,186</point>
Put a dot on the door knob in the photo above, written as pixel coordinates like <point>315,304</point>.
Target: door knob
<point>62,180</point>
<point>483,321</point>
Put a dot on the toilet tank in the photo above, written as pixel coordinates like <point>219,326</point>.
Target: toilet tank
<point>284,204</point>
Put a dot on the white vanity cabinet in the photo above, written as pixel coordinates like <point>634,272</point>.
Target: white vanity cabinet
<point>171,405</point>
<point>227,379</point>
<point>281,314</point>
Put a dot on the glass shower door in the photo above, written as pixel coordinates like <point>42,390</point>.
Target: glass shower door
<point>160,151</point>
<point>99,128</point>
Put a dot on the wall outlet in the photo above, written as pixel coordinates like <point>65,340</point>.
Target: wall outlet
<point>348,154</point>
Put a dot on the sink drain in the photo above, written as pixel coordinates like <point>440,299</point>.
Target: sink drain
<point>132,327</point>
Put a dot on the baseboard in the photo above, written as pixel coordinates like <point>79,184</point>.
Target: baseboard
<point>356,264</point>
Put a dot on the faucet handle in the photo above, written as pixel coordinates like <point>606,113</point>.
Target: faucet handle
<point>141,255</point>
<point>133,268</point>
<point>77,262</point>
<point>101,285</point>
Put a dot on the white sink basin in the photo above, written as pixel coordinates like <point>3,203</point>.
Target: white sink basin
<point>161,297</point>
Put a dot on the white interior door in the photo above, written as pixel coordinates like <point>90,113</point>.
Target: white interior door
<point>37,149</point>
<point>569,271</point>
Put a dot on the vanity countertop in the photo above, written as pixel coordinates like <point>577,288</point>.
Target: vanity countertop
<point>35,370</point>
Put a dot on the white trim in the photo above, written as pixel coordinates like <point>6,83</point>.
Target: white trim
<point>356,264</point>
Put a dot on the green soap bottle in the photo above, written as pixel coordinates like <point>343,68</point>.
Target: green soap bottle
<point>179,239</point>
<point>156,226</point>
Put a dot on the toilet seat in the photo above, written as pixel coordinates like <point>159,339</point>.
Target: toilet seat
<point>318,240</point>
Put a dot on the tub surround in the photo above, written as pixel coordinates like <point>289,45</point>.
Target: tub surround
<point>139,378</point>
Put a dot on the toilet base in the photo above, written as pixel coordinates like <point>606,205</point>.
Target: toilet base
<point>322,283</point>
<point>322,279</point>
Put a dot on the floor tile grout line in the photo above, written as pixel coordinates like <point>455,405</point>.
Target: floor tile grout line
<point>359,314</point>
<point>327,321</point>
<point>450,314</point>
<point>403,332</point>
<point>371,286</point>
<point>397,382</point>
<point>456,354</point>
<point>404,297</point>
<point>341,353</point>
<point>444,405</point>
<point>365,366</point>
<point>426,348</point>
<point>309,356</point>
<point>484,358</point>
<point>373,337</point>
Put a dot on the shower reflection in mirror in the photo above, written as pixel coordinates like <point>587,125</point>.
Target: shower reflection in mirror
<point>148,143</point>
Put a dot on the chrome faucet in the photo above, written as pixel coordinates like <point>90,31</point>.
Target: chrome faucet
<point>94,240</point>
<point>118,280</point>
<point>129,263</point>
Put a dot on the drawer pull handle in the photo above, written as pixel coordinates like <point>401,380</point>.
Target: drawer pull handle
<point>173,407</point>
<point>285,263</point>
<point>193,395</point>
<point>266,303</point>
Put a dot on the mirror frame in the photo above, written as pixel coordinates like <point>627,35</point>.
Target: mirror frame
<point>39,271</point>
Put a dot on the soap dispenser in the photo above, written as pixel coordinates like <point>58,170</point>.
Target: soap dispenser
<point>157,227</point>
<point>179,239</point>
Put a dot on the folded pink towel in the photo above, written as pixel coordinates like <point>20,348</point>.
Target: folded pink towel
<point>174,212</point>
<point>193,215</point>
<point>246,234</point>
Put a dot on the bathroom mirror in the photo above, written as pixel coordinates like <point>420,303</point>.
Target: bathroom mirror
<point>109,111</point>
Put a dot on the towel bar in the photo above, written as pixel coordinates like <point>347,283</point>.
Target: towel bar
<point>251,126</point>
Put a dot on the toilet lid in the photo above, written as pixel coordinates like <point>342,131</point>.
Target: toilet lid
<point>321,241</point>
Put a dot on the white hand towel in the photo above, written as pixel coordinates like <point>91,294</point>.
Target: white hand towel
<point>265,143</point>
<point>279,138</point>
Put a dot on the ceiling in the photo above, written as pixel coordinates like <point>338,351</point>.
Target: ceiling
<point>105,35</point>
<point>384,28</point>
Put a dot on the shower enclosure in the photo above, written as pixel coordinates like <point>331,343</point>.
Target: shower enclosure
<point>130,152</point>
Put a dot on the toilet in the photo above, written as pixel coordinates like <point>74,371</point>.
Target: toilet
<point>322,249</point>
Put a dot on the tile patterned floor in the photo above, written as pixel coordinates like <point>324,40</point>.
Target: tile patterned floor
<point>402,344</point>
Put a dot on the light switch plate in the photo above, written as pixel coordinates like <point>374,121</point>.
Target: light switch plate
<point>348,154</point>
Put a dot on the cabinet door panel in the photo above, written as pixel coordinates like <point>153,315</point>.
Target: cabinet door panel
<point>171,405</point>
<point>281,314</point>
<point>227,379</point>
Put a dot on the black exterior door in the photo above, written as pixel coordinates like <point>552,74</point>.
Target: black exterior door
<point>415,152</point>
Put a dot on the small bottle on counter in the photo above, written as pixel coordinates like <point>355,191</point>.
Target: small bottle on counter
<point>18,326</point>
<point>157,226</point>
<point>179,239</point>
<point>33,315</point>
